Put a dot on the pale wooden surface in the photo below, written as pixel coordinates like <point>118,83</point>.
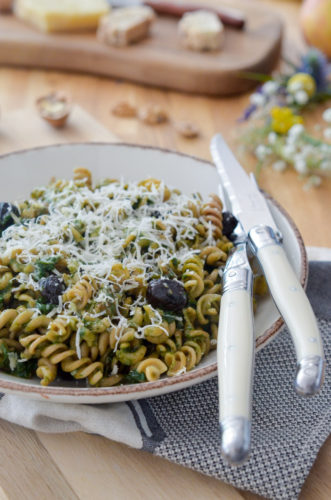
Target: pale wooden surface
<point>35,465</point>
<point>159,59</point>
<point>24,128</point>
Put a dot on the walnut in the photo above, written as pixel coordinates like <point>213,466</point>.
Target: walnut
<point>54,108</point>
<point>153,115</point>
<point>124,109</point>
<point>187,129</point>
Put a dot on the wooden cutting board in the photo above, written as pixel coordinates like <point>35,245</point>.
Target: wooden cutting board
<point>159,60</point>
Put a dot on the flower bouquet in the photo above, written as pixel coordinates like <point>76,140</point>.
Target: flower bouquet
<point>276,133</point>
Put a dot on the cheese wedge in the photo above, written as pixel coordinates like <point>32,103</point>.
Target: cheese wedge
<point>201,30</point>
<point>126,25</point>
<point>61,15</point>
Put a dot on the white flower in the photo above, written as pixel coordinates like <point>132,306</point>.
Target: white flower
<point>272,137</point>
<point>279,165</point>
<point>313,181</point>
<point>325,165</point>
<point>296,130</point>
<point>270,87</point>
<point>257,99</point>
<point>316,180</point>
<point>327,115</point>
<point>327,133</point>
<point>262,151</point>
<point>293,87</point>
<point>288,151</point>
<point>301,97</point>
<point>300,164</point>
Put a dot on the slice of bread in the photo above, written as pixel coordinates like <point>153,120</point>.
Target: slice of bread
<point>201,30</point>
<point>126,25</point>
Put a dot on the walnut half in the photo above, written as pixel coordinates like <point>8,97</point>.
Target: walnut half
<point>187,129</point>
<point>54,108</point>
<point>153,115</point>
<point>124,109</point>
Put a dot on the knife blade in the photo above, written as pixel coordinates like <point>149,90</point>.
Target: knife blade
<point>250,207</point>
<point>229,16</point>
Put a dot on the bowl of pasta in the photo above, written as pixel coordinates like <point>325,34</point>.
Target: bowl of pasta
<point>111,257</point>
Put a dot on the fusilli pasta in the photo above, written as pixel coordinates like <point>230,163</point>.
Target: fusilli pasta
<point>76,273</point>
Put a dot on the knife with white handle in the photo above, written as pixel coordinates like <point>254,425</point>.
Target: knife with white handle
<point>250,207</point>
<point>294,306</point>
<point>235,357</point>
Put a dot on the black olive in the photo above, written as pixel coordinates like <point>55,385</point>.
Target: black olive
<point>156,214</point>
<point>6,211</point>
<point>229,223</point>
<point>167,294</point>
<point>51,287</point>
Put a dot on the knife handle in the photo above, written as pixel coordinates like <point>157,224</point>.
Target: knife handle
<point>294,306</point>
<point>235,359</point>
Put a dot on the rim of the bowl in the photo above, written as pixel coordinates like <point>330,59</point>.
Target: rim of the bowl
<point>198,373</point>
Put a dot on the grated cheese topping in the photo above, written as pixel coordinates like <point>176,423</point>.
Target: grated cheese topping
<point>95,230</point>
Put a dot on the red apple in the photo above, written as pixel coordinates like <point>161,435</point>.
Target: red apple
<point>315,20</point>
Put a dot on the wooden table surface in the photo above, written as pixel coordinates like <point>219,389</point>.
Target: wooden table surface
<point>37,465</point>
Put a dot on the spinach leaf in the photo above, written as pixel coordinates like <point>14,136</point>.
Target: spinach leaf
<point>136,204</point>
<point>175,262</point>
<point>43,306</point>
<point>108,364</point>
<point>45,266</point>
<point>4,292</point>
<point>4,360</point>
<point>170,317</point>
<point>26,369</point>
<point>134,377</point>
<point>10,363</point>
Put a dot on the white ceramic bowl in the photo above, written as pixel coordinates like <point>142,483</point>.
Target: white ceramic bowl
<point>24,170</point>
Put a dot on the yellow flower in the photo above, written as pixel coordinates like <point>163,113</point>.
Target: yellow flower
<point>283,119</point>
<point>301,81</point>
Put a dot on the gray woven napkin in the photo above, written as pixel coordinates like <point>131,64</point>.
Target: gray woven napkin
<point>287,431</point>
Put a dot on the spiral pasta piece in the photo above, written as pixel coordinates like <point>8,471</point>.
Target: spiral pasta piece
<point>59,329</point>
<point>152,368</point>
<point>201,339</point>
<point>212,282</point>
<point>193,276</point>
<point>22,320</point>
<point>151,183</point>
<point>157,334</point>
<point>111,380</point>
<point>211,212</point>
<point>208,305</point>
<point>176,363</point>
<point>5,277</point>
<point>185,359</point>
<point>79,294</point>
<point>213,255</point>
<point>82,176</point>
<point>56,353</point>
<point>46,371</point>
<point>33,344</point>
<point>84,368</point>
